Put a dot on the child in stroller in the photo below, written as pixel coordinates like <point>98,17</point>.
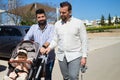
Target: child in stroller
<point>21,61</point>
<point>21,66</point>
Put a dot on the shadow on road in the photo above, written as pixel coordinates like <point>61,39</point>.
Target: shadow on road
<point>5,59</point>
<point>2,68</point>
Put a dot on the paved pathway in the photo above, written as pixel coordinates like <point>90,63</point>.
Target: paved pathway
<point>94,59</point>
<point>104,64</point>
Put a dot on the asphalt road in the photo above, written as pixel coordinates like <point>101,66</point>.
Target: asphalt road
<point>104,64</point>
<point>103,61</point>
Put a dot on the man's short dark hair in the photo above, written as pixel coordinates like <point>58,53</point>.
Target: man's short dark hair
<point>40,11</point>
<point>63,4</point>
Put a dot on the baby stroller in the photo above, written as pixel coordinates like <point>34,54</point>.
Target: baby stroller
<point>38,61</point>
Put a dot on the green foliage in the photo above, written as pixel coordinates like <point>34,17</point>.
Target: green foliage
<point>28,23</point>
<point>116,20</point>
<point>101,28</point>
<point>102,22</point>
<point>109,20</point>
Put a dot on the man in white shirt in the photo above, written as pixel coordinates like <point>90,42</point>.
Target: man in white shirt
<point>71,39</point>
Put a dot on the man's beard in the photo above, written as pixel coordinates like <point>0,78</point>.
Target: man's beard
<point>63,18</point>
<point>42,22</point>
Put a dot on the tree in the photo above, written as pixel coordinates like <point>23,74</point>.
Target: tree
<point>14,17</point>
<point>119,20</point>
<point>109,20</point>
<point>3,5</point>
<point>102,22</point>
<point>28,19</point>
<point>8,5</point>
<point>116,20</point>
<point>2,8</point>
<point>28,16</point>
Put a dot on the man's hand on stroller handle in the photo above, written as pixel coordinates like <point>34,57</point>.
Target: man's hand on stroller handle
<point>48,49</point>
<point>42,50</point>
<point>45,50</point>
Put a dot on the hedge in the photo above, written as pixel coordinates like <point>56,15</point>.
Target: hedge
<point>101,28</point>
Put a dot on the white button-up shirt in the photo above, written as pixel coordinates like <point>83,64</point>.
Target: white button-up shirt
<point>71,39</point>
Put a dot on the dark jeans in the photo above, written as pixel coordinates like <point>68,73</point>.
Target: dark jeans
<point>49,68</point>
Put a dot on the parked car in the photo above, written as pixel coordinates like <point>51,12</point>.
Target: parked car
<point>10,36</point>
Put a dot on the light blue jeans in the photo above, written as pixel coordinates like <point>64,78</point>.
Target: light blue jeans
<point>70,70</point>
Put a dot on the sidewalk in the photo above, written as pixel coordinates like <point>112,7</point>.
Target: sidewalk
<point>95,43</point>
<point>104,63</point>
<point>100,42</point>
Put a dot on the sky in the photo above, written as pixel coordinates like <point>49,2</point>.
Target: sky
<point>88,9</point>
